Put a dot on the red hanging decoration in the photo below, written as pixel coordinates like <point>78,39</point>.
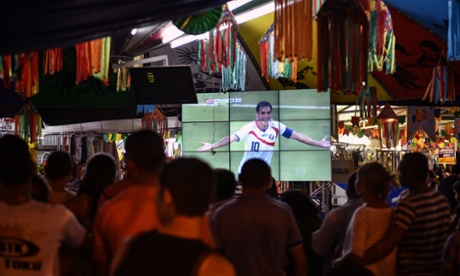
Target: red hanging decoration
<point>27,77</point>
<point>220,48</point>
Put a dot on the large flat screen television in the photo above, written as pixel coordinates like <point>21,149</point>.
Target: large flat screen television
<point>218,115</point>
<point>163,85</point>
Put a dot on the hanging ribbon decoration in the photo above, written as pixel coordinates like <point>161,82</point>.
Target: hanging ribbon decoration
<point>123,77</point>
<point>28,123</point>
<point>453,33</point>
<point>155,121</point>
<point>293,29</point>
<point>6,69</point>
<point>93,60</point>
<point>271,68</point>
<point>343,46</point>
<point>53,60</point>
<point>27,77</point>
<point>281,46</point>
<point>220,53</point>
<point>381,36</point>
<point>220,48</point>
<point>441,88</point>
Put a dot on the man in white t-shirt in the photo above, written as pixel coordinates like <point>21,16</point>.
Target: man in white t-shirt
<point>260,136</point>
<point>31,232</point>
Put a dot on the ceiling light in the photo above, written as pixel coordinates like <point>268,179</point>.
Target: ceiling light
<point>232,5</point>
<point>170,33</point>
<point>134,31</point>
<point>255,13</point>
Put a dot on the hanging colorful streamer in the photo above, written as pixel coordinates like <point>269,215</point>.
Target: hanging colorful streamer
<point>381,36</point>
<point>155,121</point>
<point>453,32</point>
<point>53,61</point>
<point>27,79</point>
<point>220,53</point>
<point>441,88</point>
<point>293,26</point>
<point>235,78</point>
<point>271,68</point>
<point>343,46</point>
<point>93,60</point>
<point>220,48</point>
<point>28,123</point>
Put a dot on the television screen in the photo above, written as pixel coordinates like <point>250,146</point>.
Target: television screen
<point>163,85</point>
<point>294,115</point>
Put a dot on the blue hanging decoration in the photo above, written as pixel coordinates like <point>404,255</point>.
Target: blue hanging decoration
<point>453,33</point>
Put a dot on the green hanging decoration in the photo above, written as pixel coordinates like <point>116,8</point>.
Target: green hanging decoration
<point>199,23</point>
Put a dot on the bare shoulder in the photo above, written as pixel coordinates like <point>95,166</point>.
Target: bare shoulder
<point>216,265</point>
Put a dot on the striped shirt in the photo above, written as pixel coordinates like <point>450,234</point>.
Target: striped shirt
<point>425,216</point>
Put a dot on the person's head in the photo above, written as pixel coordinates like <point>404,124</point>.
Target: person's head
<point>40,189</point>
<point>351,190</point>
<point>100,172</point>
<point>226,184</point>
<point>16,165</point>
<point>373,178</point>
<point>58,166</point>
<point>144,153</point>
<point>456,188</point>
<point>187,186</point>
<point>413,170</point>
<point>255,175</point>
<point>456,169</point>
<point>263,114</point>
<point>301,204</point>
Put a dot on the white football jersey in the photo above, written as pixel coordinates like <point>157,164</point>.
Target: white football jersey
<point>260,143</point>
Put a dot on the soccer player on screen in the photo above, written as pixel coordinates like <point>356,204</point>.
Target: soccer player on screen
<point>260,135</point>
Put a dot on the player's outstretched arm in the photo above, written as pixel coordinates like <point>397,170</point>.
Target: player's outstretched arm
<point>221,143</point>
<point>309,141</point>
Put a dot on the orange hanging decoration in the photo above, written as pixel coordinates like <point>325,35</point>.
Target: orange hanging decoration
<point>53,60</point>
<point>293,29</point>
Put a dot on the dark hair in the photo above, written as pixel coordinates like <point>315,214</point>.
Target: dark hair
<point>456,186</point>
<point>16,165</point>
<point>455,169</point>
<point>263,104</point>
<point>145,149</point>
<point>300,203</point>
<point>58,165</point>
<point>376,178</point>
<point>351,190</point>
<point>191,183</point>
<point>255,174</point>
<point>40,188</point>
<point>226,184</point>
<point>415,163</point>
<point>100,172</point>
